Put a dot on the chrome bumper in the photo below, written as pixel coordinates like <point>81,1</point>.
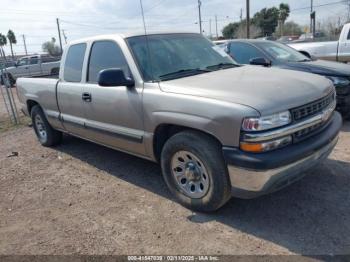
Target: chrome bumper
<point>253,183</point>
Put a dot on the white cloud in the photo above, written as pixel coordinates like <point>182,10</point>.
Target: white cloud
<point>36,19</point>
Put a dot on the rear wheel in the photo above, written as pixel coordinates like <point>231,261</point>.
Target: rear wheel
<point>46,135</point>
<point>195,172</point>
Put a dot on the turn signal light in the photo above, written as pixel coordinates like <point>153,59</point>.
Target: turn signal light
<point>266,146</point>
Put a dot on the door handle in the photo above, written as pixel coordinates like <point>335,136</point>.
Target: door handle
<point>86,97</point>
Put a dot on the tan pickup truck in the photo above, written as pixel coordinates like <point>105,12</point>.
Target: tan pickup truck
<point>217,129</point>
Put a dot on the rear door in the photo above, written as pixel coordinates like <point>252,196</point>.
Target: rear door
<point>344,46</point>
<point>113,114</point>
<point>70,89</point>
<point>34,66</point>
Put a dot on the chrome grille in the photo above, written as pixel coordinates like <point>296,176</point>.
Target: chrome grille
<point>307,132</point>
<point>313,108</point>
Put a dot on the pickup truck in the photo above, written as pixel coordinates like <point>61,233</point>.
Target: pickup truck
<point>216,128</point>
<point>332,50</point>
<point>33,66</point>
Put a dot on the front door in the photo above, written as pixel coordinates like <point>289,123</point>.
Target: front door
<point>22,69</point>
<point>113,115</point>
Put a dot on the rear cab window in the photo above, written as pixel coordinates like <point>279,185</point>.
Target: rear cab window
<point>73,66</point>
<point>34,60</point>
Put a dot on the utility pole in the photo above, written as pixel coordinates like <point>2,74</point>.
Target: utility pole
<point>248,18</point>
<point>200,16</point>
<point>59,34</point>
<point>241,15</point>
<point>210,34</point>
<point>64,36</point>
<point>24,43</point>
<point>311,10</point>
<point>216,27</point>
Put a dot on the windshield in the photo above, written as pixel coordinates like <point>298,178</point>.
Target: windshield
<point>177,55</point>
<point>282,52</point>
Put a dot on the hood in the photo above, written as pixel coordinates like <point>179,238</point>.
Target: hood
<point>320,67</point>
<point>268,90</point>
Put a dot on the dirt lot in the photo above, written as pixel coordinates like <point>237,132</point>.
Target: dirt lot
<point>81,198</point>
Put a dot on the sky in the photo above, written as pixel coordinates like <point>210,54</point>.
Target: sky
<point>36,19</point>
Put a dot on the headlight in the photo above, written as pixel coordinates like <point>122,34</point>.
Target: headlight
<point>266,122</point>
<point>339,81</point>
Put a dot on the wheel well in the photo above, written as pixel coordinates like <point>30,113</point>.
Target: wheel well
<point>30,105</point>
<point>305,53</point>
<point>165,131</point>
<point>55,71</point>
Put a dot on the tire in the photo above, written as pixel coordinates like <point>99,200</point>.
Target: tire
<point>54,71</point>
<point>12,80</point>
<point>212,187</point>
<point>46,135</point>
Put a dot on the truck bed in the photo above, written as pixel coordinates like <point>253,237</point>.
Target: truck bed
<point>42,90</point>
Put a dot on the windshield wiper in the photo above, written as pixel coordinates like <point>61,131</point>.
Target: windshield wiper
<point>184,72</point>
<point>222,66</point>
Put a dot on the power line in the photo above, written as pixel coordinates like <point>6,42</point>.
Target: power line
<point>320,5</point>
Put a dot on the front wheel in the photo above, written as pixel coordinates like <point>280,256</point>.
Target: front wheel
<point>46,135</point>
<point>195,172</point>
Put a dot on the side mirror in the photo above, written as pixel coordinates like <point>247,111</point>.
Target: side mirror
<point>261,61</point>
<point>114,77</point>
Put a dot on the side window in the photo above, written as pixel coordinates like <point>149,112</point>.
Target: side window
<point>242,52</point>
<point>348,35</point>
<point>104,55</point>
<point>34,60</point>
<point>73,66</point>
<point>23,62</point>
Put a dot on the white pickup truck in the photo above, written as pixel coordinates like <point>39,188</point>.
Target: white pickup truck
<point>332,50</point>
<point>33,66</point>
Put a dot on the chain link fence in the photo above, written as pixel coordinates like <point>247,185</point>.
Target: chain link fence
<point>8,106</point>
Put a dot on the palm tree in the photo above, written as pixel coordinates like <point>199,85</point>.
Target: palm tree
<point>12,39</point>
<point>284,12</point>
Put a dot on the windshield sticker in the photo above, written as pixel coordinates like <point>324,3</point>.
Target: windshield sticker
<point>220,50</point>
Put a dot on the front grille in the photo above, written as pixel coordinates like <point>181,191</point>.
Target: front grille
<point>307,132</point>
<point>312,108</point>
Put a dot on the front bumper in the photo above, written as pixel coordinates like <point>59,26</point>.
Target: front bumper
<point>253,175</point>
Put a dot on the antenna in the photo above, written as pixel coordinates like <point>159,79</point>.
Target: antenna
<point>143,18</point>
<point>146,36</point>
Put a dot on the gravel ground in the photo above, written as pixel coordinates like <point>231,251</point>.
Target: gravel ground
<point>82,198</point>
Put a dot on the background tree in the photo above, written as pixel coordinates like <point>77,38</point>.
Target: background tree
<point>51,47</point>
<point>292,28</point>
<point>12,40</point>
<point>229,30</point>
<point>284,12</point>
<point>267,20</point>
<point>3,40</point>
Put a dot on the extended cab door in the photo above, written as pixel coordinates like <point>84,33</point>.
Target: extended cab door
<point>35,66</point>
<point>70,89</point>
<point>344,44</point>
<point>113,114</point>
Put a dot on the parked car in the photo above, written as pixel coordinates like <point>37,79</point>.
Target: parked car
<point>268,53</point>
<point>33,66</point>
<point>287,39</point>
<point>331,50</point>
<point>217,129</point>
